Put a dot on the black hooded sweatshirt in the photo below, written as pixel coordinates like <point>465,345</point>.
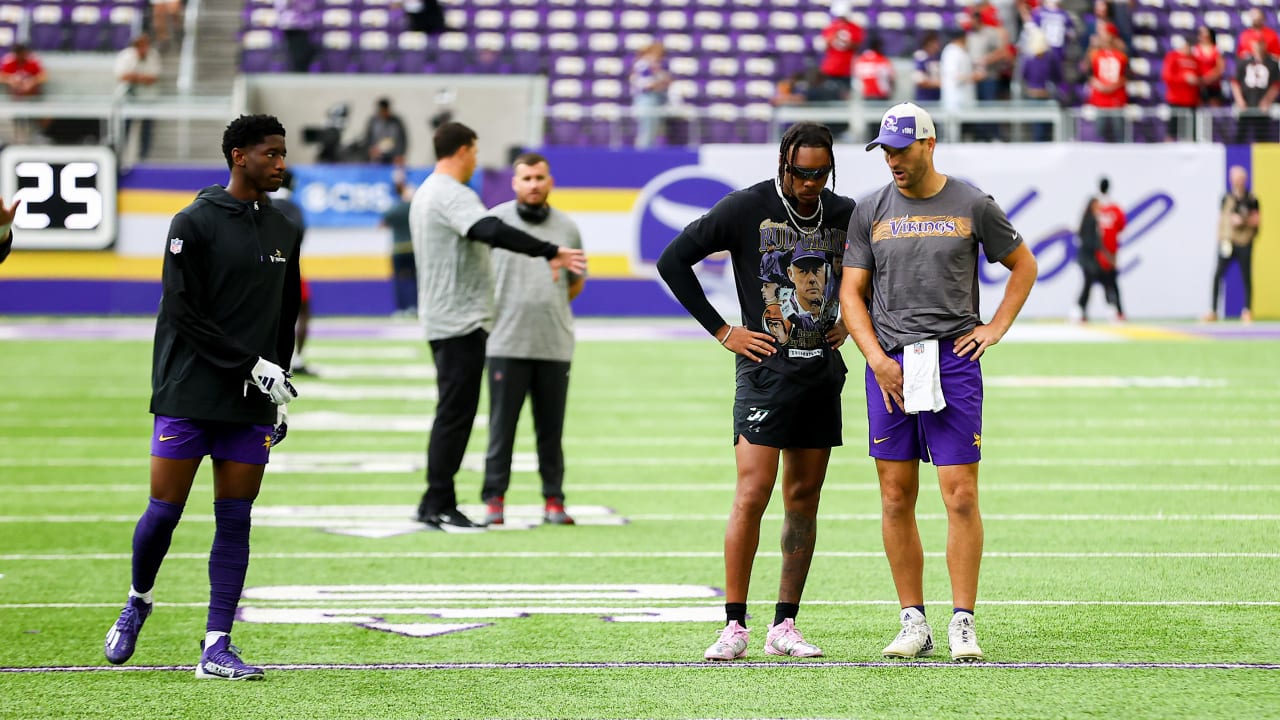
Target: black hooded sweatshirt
<point>231,294</point>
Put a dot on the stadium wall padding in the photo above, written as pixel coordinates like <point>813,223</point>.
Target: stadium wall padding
<point>629,204</point>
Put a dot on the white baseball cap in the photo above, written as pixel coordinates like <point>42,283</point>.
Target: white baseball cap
<point>902,125</point>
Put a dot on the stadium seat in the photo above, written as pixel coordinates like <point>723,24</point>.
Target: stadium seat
<point>454,54</point>
<point>414,53</point>
<point>258,51</point>
<point>87,28</point>
<point>336,51</point>
<point>376,52</point>
<point>47,31</point>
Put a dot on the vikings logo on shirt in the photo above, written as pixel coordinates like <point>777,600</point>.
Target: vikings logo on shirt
<point>922,226</point>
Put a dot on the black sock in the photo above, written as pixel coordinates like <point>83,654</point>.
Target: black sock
<point>918,607</point>
<point>735,611</point>
<point>784,611</point>
<point>960,610</point>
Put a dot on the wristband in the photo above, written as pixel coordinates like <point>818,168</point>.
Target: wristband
<point>725,339</point>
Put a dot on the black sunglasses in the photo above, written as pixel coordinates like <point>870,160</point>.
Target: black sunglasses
<point>809,173</point>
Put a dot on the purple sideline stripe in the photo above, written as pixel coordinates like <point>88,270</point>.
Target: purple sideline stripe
<point>622,168</point>
<point>661,665</point>
<point>173,179</point>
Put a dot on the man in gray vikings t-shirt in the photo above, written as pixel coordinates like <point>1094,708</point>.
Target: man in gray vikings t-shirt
<point>532,343</point>
<point>913,252</point>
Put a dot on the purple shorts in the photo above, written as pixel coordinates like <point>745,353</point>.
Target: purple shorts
<point>952,436</point>
<point>183,439</point>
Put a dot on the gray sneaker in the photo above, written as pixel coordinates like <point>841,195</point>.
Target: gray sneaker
<point>554,514</point>
<point>494,511</point>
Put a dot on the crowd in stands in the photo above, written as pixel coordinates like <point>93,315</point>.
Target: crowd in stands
<point>734,61</point>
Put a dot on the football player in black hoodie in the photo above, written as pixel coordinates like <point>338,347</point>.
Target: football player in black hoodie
<point>224,335</point>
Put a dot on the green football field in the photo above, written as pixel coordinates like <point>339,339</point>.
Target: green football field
<point>1130,490</point>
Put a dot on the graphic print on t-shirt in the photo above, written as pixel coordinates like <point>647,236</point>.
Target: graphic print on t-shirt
<point>799,282</point>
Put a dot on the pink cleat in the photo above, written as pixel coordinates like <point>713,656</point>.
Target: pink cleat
<point>731,645</point>
<point>785,639</point>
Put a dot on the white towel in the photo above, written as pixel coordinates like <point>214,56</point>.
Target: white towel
<point>921,378</point>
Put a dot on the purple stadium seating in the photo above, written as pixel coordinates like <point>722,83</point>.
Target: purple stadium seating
<point>724,54</point>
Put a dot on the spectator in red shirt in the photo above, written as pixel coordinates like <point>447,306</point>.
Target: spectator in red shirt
<point>1111,221</point>
<point>24,76</point>
<point>1258,30</point>
<point>1209,66</point>
<point>1181,78</point>
<point>21,72</point>
<point>874,72</point>
<point>1108,68</point>
<point>842,36</point>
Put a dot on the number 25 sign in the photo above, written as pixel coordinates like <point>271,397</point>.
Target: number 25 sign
<point>68,196</point>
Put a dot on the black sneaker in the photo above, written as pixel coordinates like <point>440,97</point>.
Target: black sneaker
<point>451,520</point>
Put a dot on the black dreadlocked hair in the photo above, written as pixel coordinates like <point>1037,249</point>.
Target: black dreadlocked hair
<point>248,130</point>
<point>805,134</point>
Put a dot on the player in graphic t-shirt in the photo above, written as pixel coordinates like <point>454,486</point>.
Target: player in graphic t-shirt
<point>789,372</point>
<point>913,252</point>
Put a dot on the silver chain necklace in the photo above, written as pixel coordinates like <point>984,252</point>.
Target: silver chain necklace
<point>796,217</point>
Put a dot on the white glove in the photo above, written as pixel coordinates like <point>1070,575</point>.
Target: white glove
<point>273,381</point>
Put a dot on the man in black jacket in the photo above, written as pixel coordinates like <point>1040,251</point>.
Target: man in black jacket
<point>223,333</point>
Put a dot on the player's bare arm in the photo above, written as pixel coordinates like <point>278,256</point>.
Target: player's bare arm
<point>752,345</point>
<point>854,288</point>
<point>1022,275</point>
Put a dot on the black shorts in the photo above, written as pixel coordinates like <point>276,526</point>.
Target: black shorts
<point>771,409</point>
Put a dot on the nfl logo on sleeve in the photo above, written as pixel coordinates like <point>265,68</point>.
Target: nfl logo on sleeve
<point>175,245</point>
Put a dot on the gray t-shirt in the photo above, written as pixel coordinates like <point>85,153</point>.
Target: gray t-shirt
<point>533,318</point>
<point>923,258</point>
<point>455,289</point>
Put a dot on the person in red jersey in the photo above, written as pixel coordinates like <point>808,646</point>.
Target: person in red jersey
<point>842,36</point>
<point>1209,66</point>
<point>1108,66</point>
<point>1182,88</point>
<point>1111,221</point>
<point>1256,31</point>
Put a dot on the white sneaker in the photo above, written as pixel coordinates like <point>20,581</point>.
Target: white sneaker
<point>731,645</point>
<point>963,639</point>
<point>914,640</point>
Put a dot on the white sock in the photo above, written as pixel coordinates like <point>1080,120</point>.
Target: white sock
<point>145,597</point>
<point>212,637</point>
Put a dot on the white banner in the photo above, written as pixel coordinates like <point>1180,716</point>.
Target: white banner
<point>1170,194</point>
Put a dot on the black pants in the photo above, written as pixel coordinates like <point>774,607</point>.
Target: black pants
<point>300,49</point>
<point>1243,256</point>
<point>404,276</point>
<point>459,369</point>
<point>546,382</point>
<point>1093,273</point>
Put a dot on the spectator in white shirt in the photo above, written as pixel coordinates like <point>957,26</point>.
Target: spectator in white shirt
<point>137,69</point>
